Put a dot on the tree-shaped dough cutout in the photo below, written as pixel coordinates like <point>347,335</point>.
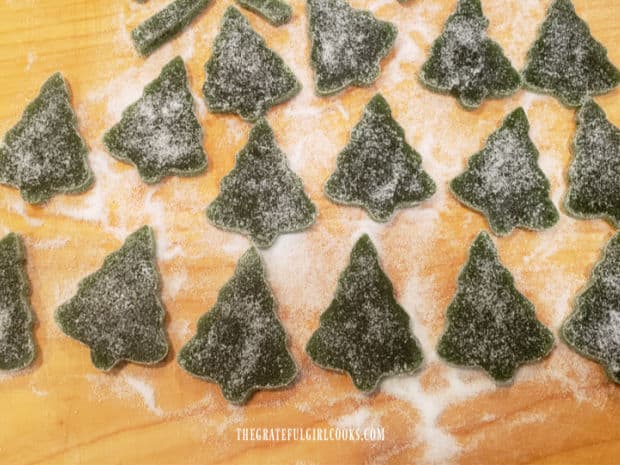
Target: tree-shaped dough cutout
<point>504,181</point>
<point>240,343</point>
<point>594,191</point>
<point>160,133</point>
<point>117,310</point>
<point>166,24</point>
<point>43,154</point>
<point>244,76</point>
<point>593,328</point>
<point>566,61</point>
<point>277,12</point>
<point>17,349</point>
<point>261,197</point>
<point>378,170</point>
<point>489,323</point>
<point>466,63</point>
<point>365,332</point>
<point>347,45</point>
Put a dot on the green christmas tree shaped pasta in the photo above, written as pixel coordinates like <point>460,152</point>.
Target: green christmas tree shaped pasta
<point>261,197</point>
<point>364,332</point>
<point>165,24</point>
<point>378,170</point>
<point>504,181</point>
<point>17,348</point>
<point>489,324</point>
<point>276,12</point>
<point>43,154</point>
<point>566,61</point>
<point>347,45</point>
<point>244,76</point>
<point>160,133</point>
<point>117,310</point>
<point>240,343</point>
<point>594,172</point>
<point>465,63</point>
<point>593,328</point>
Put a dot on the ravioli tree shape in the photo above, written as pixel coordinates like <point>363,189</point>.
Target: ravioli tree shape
<point>593,328</point>
<point>276,12</point>
<point>117,310</point>
<point>593,175</point>
<point>566,61</point>
<point>347,45</point>
<point>489,323</point>
<point>43,154</point>
<point>378,170</point>
<point>166,24</point>
<point>160,133</point>
<point>17,349</point>
<point>240,343</point>
<point>244,76</point>
<point>364,332</point>
<point>261,197</point>
<point>504,181</point>
<point>466,63</point>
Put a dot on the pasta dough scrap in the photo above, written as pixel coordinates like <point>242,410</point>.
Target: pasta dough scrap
<point>165,24</point>
<point>276,12</point>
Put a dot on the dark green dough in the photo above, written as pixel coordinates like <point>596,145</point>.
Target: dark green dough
<point>117,310</point>
<point>17,348</point>
<point>347,45</point>
<point>276,12</point>
<point>364,332</point>
<point>43,154</point>
<point>504,181</point>
<point>594,190</point>
<point>593,328</point>
<point>165,24</point>
<point>240,343</point>
<point>244,76</point>
<point>566,61</point>
<point>261,197</point>
<point>160,133</point>
<point>378,170</point>
<point>465,63</point>
<point>489,323</point>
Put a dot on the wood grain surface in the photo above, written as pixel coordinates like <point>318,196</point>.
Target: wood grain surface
<point>63,411</point>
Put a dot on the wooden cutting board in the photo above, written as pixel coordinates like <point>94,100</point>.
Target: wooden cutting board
<point>63,411</point>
